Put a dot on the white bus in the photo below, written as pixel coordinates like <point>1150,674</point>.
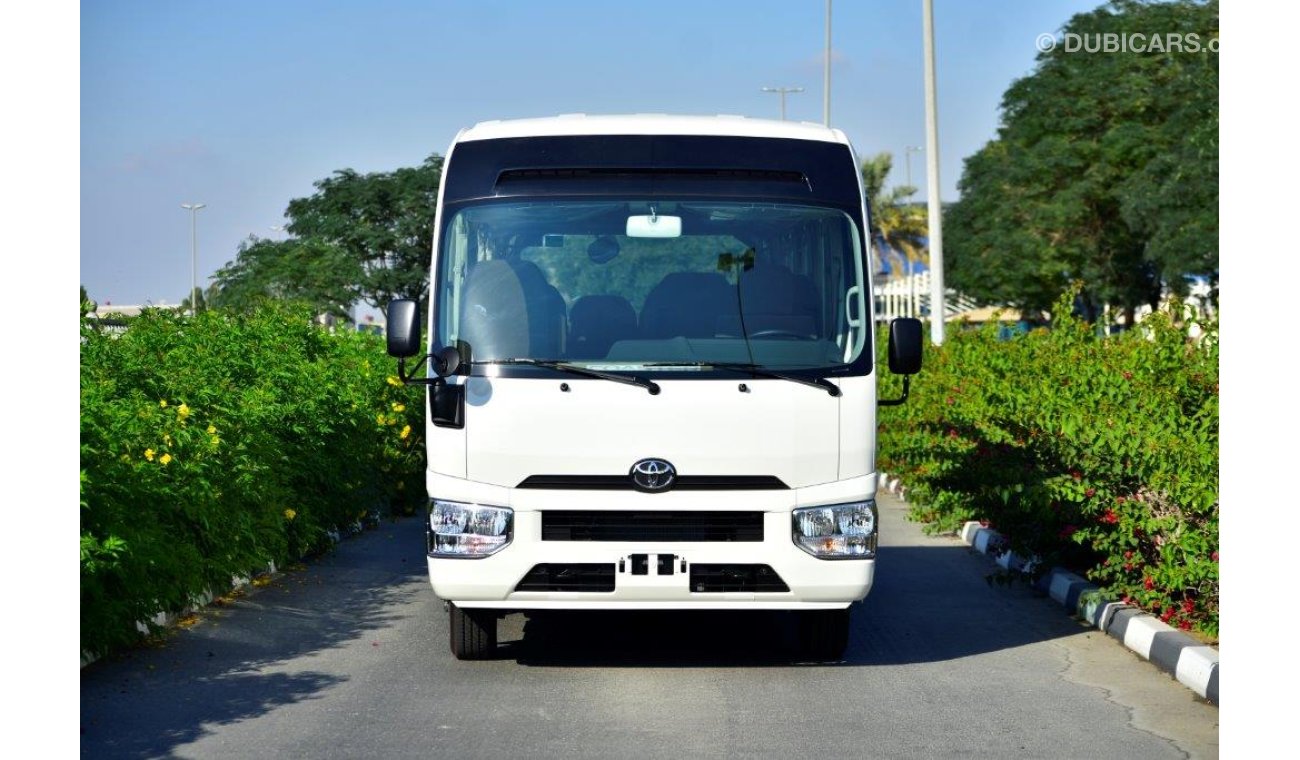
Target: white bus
<point>650,370</point>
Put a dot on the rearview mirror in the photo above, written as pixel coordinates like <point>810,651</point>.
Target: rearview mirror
<point>403,328</point>
<point>905,346</point>
<point>654,226</point>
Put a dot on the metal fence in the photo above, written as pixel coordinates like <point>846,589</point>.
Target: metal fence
<point>910,297</point>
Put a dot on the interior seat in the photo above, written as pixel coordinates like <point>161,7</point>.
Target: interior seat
<point>776,299</point>
<point>689,305</point>
<point>547,313</point>
<point>494,318</point>
<point>596,323</point>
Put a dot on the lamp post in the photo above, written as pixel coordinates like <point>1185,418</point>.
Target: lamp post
<point>934,209</point>
<point>782,91</point>
<point>826,72</point>
<point>907,159</point>
<point>193,208</point>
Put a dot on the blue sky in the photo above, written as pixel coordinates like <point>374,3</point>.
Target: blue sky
<point>242,105</point>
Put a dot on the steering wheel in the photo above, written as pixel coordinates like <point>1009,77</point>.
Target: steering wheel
<point>778,334</point>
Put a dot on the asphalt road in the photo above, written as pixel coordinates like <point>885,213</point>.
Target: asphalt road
<point>348,658</point>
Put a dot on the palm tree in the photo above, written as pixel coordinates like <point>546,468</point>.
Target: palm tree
<point>897,227</point>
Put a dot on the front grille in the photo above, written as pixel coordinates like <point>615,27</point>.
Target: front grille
<point>648,526</point>
<point>568,577</point>
<point>753,578</point>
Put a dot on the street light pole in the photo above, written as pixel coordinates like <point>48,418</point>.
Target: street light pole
<point>782,91</point>
<point>935,210</point>
<point>908,150</point>
<point>193,208</point>
<point>826,73</point>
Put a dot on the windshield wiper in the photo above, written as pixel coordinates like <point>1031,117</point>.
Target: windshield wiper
<point>574,369</point>
<point>759,370</point>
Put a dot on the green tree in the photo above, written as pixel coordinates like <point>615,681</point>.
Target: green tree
<point>1104,170</point>
<point>898,228</point>
<point>309,270</point>
<point>381,222</point>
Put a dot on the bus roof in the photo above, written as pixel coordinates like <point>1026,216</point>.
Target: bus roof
<point>650,124</point>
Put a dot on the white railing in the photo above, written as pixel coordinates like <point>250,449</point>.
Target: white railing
<point>910,297</point>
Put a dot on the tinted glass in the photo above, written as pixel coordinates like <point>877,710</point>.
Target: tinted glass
<point>771,283</point>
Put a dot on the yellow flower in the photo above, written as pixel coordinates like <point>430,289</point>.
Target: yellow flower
<point>381,418</point>
<point>395,381</point>
<point>406,431</point>
<point>399,407</point>
<point>148,454</point>
<point>215,440</point>
<point>167,439</point>
<point>166,459</point>
<point>212,429</point>
<point>182,411</point>
<point>163,403</point>
<point>289,514</point>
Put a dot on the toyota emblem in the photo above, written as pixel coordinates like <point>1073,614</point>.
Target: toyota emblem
<point>653,475</point>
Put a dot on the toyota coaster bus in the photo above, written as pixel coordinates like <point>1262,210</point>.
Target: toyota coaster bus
<point>649,370</point>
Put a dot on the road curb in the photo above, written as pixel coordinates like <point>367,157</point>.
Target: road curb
<point>1187,660</point>
<point>169,619</point>
<point>165,620</point>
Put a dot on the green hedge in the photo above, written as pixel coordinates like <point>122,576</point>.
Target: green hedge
<point>1097,453</point>
<point>212,445</point>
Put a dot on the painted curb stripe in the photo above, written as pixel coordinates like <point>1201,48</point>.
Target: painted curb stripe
<point>1074,595</point>
<point>1119,621</point>
<point>1194,665</point>
<point>1103,612</point>
<point>1166,648</point>
<point>1141,634</point>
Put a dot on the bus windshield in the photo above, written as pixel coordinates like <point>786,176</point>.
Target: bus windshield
<point>775,285</point>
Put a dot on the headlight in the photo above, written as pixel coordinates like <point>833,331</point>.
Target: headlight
<point>468,530</point>
<point>840,531</point>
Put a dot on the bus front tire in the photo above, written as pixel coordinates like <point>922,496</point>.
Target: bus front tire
<point>473,633</point>
<point>823,634</point>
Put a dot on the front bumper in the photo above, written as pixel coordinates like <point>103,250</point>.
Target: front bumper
<point>813,583</point>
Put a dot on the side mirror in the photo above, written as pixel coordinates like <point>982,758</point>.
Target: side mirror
<point>905,346</point>
<point>404,328</point>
